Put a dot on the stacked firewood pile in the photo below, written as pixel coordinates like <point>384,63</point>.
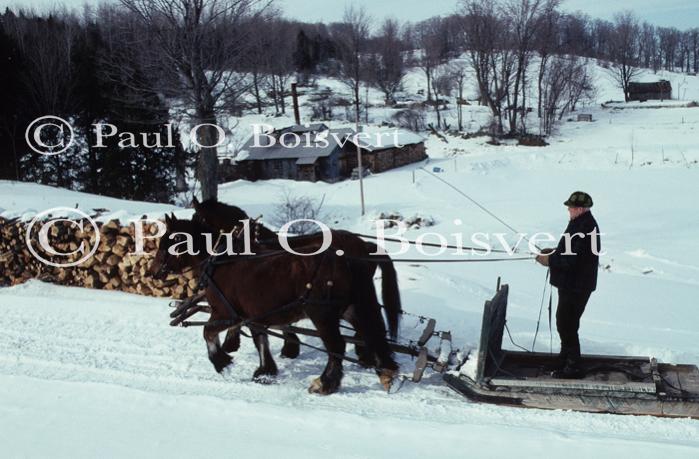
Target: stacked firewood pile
<point>114,266</point>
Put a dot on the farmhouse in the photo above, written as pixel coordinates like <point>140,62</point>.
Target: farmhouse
<point>659,90</point>
<point>316,152</point>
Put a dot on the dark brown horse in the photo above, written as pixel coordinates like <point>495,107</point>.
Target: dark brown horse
<point>227,218</point>
<point>261,287</point>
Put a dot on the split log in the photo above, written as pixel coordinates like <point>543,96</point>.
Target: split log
<point>111,267</point>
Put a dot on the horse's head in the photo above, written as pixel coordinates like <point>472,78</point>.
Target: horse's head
<point>173,255</point>
<point>217,215</point>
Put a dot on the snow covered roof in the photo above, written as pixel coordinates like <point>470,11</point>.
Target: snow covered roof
<point>301,128</point>
<point>306,160</point>
<point>311,144</point>
<point>374,140</point>
<point>318,141</point>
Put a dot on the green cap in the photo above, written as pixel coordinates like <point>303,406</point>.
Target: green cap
<point>579,199</point>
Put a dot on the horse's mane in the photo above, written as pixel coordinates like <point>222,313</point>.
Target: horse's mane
<point>231,213</point>
<point>193,227</point>
<point>197,230</point>
<point>214,205</point>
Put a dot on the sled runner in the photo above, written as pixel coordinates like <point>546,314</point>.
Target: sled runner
<point>611,384</point>
<point>432,349</point>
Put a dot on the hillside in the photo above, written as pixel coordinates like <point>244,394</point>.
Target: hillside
<point>80,364</point>
<point>335,93</point>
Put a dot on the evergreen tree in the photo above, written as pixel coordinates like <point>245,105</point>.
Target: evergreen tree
<point>10,122</point>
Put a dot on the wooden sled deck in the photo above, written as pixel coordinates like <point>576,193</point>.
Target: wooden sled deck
<point>612,384</point>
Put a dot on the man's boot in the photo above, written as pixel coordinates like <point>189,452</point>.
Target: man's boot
<point>571,370</point>
<point>562,358</point>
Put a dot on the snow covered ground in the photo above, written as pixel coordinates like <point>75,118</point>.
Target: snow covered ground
<point>88,374</point>
<point>96,373</point>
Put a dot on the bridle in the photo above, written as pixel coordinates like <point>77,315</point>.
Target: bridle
<point>164,269</point>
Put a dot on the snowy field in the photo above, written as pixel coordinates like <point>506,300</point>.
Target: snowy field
<point>89,373</point>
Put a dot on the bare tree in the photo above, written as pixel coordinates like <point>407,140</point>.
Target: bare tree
<point>387,68</point>
<point>566,81</point>
<point>486,37</point>
<point>47,78</point>
<point>412,119</point>
<point>624,51</point>
<point>647,45</point>
<point>281,63</point>
<point>574,33</point>
<point>432,48</point>
<point>546,39</point>
<point>194,45</point>
<point>582,85</point>
<point>257,60</point>
<point>442,85</point>
<point>351,36</point>
<point>294,207</point>
<point>47,48</point>
<point>686,51</point>
<point>669,46</point>
<point>525,19</point>
<point>459,74</point>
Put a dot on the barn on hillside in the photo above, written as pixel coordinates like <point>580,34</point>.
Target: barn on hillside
<point>322,153</point>
<point>658,90</point>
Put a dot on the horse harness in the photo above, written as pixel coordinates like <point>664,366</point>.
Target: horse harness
<point>206,280</point>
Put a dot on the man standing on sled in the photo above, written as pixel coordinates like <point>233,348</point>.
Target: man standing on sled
<point>573,264</point>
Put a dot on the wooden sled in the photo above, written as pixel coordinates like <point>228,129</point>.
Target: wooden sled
<point>612,384</point>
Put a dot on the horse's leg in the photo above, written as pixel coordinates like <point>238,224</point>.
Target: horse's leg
<point>329,331</point>
<point>232,341</point>
<point>366,358</point>
<point>371,325</point>
<point>267,366</point>
<point>291,347</point>
<point>217,356</point>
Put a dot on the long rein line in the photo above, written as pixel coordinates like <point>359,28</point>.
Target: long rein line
<point>511,228</point>
<point>434,244</point>
<point>478,204</point>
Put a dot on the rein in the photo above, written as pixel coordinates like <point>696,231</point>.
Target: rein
<point>236,321</point>
<point>443,260</point>
<point>431,244</point>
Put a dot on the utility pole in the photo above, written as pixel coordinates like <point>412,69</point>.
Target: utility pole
<point>366,104</point>
<point>295,99</point>
<point>359,157</point>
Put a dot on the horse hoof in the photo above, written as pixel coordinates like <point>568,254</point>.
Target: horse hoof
<point>317,387</point>
<point>264,379</point>
<point>386,378</point>
<point>221,361</point>
<point>265,375</point>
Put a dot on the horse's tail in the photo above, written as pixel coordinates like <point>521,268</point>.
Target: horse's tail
<point>369,321</point>
<point>390,294</point>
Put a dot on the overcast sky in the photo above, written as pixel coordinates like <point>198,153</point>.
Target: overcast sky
<point>679,13</point>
